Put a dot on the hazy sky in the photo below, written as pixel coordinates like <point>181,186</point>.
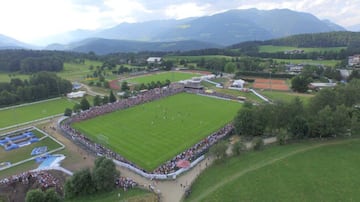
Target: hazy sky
<point>29,20</point>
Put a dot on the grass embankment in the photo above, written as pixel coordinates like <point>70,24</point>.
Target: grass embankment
<point>310,171</point>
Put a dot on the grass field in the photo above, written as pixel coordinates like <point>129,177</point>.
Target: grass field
<point>286,96</point>
<point>195,59</point>
<point>130,195</point>
<point>310,171</point>
<point>329,63</point>
<point>172,76</point>
<point>78,72</point>
<point>32,112</point>
<point>152,133</point>
<point>4,76</point>
<point>274,49</point>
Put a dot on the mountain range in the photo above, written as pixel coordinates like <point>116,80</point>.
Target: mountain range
<point>218,30</point>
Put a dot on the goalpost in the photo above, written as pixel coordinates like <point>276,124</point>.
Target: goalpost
<point>103,139</point>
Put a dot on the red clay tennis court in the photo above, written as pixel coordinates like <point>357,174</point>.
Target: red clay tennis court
<point>274,84</point>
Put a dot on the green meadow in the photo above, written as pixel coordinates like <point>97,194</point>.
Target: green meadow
<point>274,49</point>
<point>308,171</point>
<point>172,76</point>
<point>22,114</point>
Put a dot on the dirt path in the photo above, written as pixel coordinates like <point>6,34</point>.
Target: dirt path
<point>90,91</point>
<point>260,165</point>
<point>76,157</point>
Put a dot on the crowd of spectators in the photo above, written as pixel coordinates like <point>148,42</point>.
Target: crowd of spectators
<point>125,183</point>
<point>45,179</point>
<point>195,151</point>
<point>170,166</point>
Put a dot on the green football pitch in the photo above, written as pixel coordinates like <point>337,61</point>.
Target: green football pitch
<point>152,133</point>
<point>22,114</point>
<point>172,76</point>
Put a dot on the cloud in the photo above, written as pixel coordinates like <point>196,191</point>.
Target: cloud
<point>28,20</point>
<point>185,10</point>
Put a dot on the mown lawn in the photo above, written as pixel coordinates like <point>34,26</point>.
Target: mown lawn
<point>310,171</point>
<point>172,76</point>
<point>152,133</point>
<point>32,112</point>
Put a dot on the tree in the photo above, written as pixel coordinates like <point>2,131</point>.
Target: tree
<point>238,148</point>
<point>299,127</point>
<point>80,184</point>
<point>258,143</point>
<point>249,121</point>
<point>97,101</point>
<point>106,84</point>
<point>84,104</point>
<point>52,196</point>
<point>322,125</point>
<point>104,174</point>
<point>300,83</point>
<point>219,150</point>
<point>112,97</point>
<point>67,112</point>
<point>77,108</point>
<point>35,195</point>
<point>230,67</point>
<point>105,99</point>
<point>124,86</point>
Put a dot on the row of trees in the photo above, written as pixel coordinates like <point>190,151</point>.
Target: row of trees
<point>85,182</point>
<point>37,195</point>
<point>40,86</point>
<point>330,113</point>
<point>85,104</point>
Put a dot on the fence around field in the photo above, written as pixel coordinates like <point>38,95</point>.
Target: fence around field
<point>169,176</point>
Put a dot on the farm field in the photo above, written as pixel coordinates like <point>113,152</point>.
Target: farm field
<point>195,59</point>
<point>152,133</point>
<point>286,96</point>
<point>77,72</point>
<point>274,49</point>
<point>285,173</point>
<point>172,76</point>
<point>22,114</point>
<point>4,76</point>
<point>329,63</point>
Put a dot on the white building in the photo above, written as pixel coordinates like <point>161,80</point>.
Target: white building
<point>154,60</point>
<point>354,60</point>
<point>238,83</point>
<point>77,94</point>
